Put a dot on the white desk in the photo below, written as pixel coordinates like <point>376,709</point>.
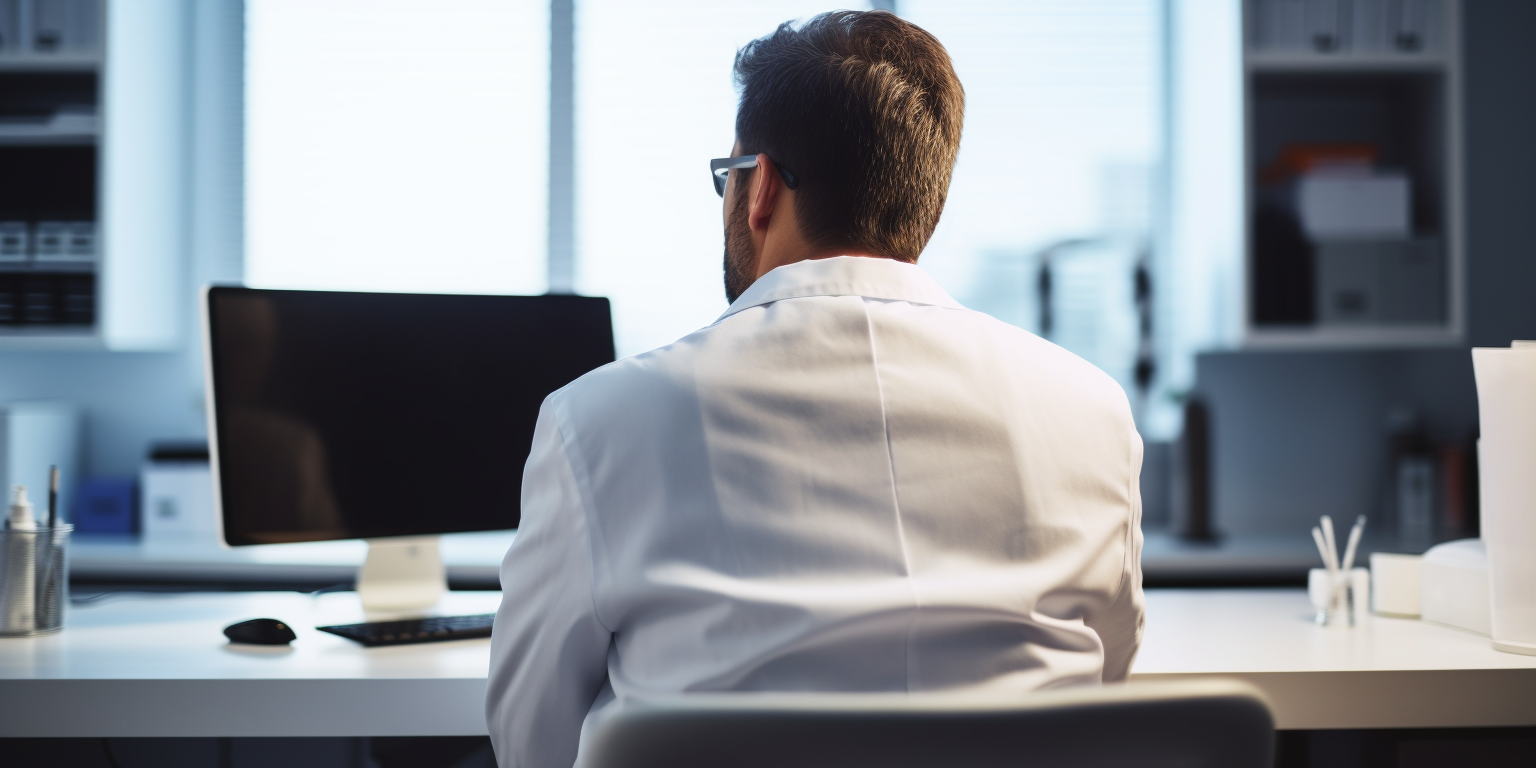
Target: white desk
<point>1389,673</point>
<point>473,560</point>
<point>159,666</point>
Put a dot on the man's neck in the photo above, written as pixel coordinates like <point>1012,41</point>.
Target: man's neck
<point>768,261</point>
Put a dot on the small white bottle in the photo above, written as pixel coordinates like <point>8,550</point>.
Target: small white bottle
<point>21,517</point>
<point>18,577</point>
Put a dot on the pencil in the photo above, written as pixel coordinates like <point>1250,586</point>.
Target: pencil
<point>53,497</point>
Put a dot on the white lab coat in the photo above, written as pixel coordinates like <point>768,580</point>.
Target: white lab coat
<point>849,482</point>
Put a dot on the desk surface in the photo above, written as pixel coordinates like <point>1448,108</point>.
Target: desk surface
<point>474,559</point>
<point>159,666</point>
<point>1388,673</point>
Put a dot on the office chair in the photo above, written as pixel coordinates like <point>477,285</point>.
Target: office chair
<point>1196,724</point>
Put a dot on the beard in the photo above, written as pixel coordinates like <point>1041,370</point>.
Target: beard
<point>740,256</point>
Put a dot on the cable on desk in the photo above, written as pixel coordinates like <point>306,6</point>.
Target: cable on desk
<point>100,597</point>
<point>346,587</point>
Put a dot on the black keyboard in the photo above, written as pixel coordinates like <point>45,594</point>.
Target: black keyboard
<point>428,630</point>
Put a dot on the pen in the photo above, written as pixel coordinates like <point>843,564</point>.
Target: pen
<point>53,497</point>
<point>1333,543</point>
<point>1322,549</point>
<point>1354,542</point>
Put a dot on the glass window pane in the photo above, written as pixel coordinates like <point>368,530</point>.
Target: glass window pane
<point>397,145</point>
<point>1057,161</point>
<point>655,101</point>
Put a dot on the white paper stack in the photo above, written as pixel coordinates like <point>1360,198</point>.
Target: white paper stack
<point>1506,402</point>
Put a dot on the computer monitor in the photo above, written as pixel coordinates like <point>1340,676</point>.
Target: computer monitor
<point>337,415</point>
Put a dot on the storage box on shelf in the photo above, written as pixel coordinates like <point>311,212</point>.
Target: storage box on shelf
<point>1353,169</point>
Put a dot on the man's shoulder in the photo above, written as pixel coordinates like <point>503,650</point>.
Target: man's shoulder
<point>643,381</point>
<point>1023,356</point>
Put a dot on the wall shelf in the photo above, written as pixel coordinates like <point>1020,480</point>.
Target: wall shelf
<point>1346,337</point>
<point>10,136</point>
<point>59,338</point>
<point>1284,61</point>
<point>23,62</point>
<point>97,138</point>
<point>1311,287</point>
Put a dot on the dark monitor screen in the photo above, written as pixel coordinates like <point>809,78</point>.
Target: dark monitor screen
<point>366,415</point>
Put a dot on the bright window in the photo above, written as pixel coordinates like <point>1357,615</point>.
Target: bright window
<point>655,101</point>
<point>397,144</point>
<point>1057,163</point>
<point>403,145</point>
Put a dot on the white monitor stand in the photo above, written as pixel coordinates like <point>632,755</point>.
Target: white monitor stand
<point>402,574</point>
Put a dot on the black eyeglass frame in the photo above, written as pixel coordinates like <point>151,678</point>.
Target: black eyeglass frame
<point>720,168</point>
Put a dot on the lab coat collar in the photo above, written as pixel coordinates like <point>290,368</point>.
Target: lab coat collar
<point>872,278</point>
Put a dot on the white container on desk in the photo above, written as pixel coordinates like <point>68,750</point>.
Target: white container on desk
<point>1454,578</point>
<point>1396,585</point>
<point>1506,379</point>
<point>176,501</point>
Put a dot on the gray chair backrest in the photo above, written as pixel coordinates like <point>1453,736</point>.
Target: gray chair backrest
<point>1196,724</point>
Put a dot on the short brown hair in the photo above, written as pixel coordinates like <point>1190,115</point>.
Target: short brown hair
<point>865,110</point>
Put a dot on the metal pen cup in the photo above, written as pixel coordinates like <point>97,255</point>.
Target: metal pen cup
<point>34,580</point>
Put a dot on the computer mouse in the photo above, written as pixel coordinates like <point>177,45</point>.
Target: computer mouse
<point>260,632</point>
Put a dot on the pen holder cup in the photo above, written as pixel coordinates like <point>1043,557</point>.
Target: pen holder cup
<point>1340,600</point>
<point>34,580</point>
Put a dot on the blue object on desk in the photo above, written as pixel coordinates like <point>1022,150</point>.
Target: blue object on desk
<point>106,505</point>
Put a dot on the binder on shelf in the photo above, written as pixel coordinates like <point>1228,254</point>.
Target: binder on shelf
<point>1403,27</point>
<point>1279,25</point>
<point>50,27</point>
<point>48,241</point>
<point>38,300</point>
<point>10,299</point>
<point>64,242</point>
<point>80,241</point>
<point>15,242</point>
<point>65,26</point>
<point>10,27</point>
<point>1325,28</point>
<point>77,300</point>
<point>1369,26</point>
<point>1410,26</point>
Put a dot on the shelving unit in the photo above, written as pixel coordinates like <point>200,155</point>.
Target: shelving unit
<point>92,173</point>
<point>1382,77</point>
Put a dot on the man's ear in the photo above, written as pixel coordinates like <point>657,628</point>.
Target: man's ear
<point>764,194</point>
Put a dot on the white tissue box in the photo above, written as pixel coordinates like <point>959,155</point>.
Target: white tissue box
<point>1454,586</point>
